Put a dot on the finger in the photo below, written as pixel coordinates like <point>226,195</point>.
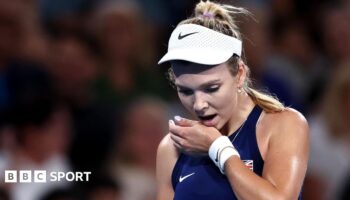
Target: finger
<point>180,121</point>
<point>171,122</point>
<point>177,146</point>
<point>176,130</point>
<point>172,125</point>
<point>177,140</point>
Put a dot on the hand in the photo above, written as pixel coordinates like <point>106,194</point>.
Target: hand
<point>191,136</point>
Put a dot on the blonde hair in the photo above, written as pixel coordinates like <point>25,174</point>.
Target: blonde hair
<point>222,18</point>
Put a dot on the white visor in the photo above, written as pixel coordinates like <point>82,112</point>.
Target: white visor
<point>198,44</point>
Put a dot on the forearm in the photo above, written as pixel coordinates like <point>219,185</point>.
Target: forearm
<point>248,185</point>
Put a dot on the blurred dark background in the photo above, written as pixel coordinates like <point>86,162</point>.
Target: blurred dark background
<point>80,89</point>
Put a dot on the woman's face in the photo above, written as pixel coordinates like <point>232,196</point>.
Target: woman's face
<point>207,92</point>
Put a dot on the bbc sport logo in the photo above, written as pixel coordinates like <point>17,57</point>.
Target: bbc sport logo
<point>41,176</point>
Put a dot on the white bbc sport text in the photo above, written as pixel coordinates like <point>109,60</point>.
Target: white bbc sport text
<point>70,176</point>
<point>40,176</point>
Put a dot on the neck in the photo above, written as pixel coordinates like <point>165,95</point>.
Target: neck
<point>239,115</point>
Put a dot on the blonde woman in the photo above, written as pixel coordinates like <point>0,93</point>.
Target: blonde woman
<point>244,144</point>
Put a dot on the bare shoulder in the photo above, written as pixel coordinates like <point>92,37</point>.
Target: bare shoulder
<point>166,147</point>
<point>289,122</point>
<point>287,118</point>
<point>167,155</point>
<point>281,129</point>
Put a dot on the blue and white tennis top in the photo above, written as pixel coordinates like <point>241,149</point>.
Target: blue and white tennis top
<point>197,178</point>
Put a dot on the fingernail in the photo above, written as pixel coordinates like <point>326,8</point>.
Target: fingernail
<point>177,118</point>
<point>171,122</point>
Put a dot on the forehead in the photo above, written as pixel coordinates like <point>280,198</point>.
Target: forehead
<point>194,75</point>
<point>188,69</point>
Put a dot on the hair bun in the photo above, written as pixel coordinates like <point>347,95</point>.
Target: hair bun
<point>208,10</point>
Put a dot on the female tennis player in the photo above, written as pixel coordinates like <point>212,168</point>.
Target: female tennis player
<point>244,144</point>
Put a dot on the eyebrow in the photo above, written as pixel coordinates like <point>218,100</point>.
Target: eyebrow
<point>216,81</point>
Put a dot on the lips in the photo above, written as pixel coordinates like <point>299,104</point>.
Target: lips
<point>207,120</point>
<point>207,117</point>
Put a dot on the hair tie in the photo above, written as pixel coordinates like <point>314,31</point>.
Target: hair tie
<point>208,15</point>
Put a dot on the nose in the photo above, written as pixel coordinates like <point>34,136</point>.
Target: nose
<point>200,103</point>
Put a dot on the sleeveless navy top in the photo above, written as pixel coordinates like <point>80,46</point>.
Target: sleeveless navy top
<point>196,178</point>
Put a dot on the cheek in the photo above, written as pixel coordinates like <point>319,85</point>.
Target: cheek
<point>225,100</point>
<point>186,102</point>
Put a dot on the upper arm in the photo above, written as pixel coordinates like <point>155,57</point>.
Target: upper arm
<point>287,153</point>
<point>167,156</point>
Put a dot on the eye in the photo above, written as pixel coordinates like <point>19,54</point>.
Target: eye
<point>212,89</point>
<point>185,92</point>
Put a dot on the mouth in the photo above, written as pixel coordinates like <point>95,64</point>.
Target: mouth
<point>207,120</point>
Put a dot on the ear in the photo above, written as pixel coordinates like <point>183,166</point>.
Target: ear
<point>242,73</point>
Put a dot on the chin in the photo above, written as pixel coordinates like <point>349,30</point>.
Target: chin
<point>219,125</point>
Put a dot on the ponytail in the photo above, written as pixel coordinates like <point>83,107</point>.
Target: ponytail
<point>265,101</point>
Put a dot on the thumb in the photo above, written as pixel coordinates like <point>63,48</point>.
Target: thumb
<point>180,121</point>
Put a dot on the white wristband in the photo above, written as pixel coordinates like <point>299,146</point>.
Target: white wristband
<point>214,148</point>
<point>220,150</point>
<point>225,154</point>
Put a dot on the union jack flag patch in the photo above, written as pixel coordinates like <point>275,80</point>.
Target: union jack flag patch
<point>249,164</point>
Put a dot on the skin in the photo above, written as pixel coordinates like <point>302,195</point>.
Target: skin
<point>283,137</point>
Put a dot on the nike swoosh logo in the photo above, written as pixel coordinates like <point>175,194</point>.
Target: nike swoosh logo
<point>180,37</point>
<point>184,177</point>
